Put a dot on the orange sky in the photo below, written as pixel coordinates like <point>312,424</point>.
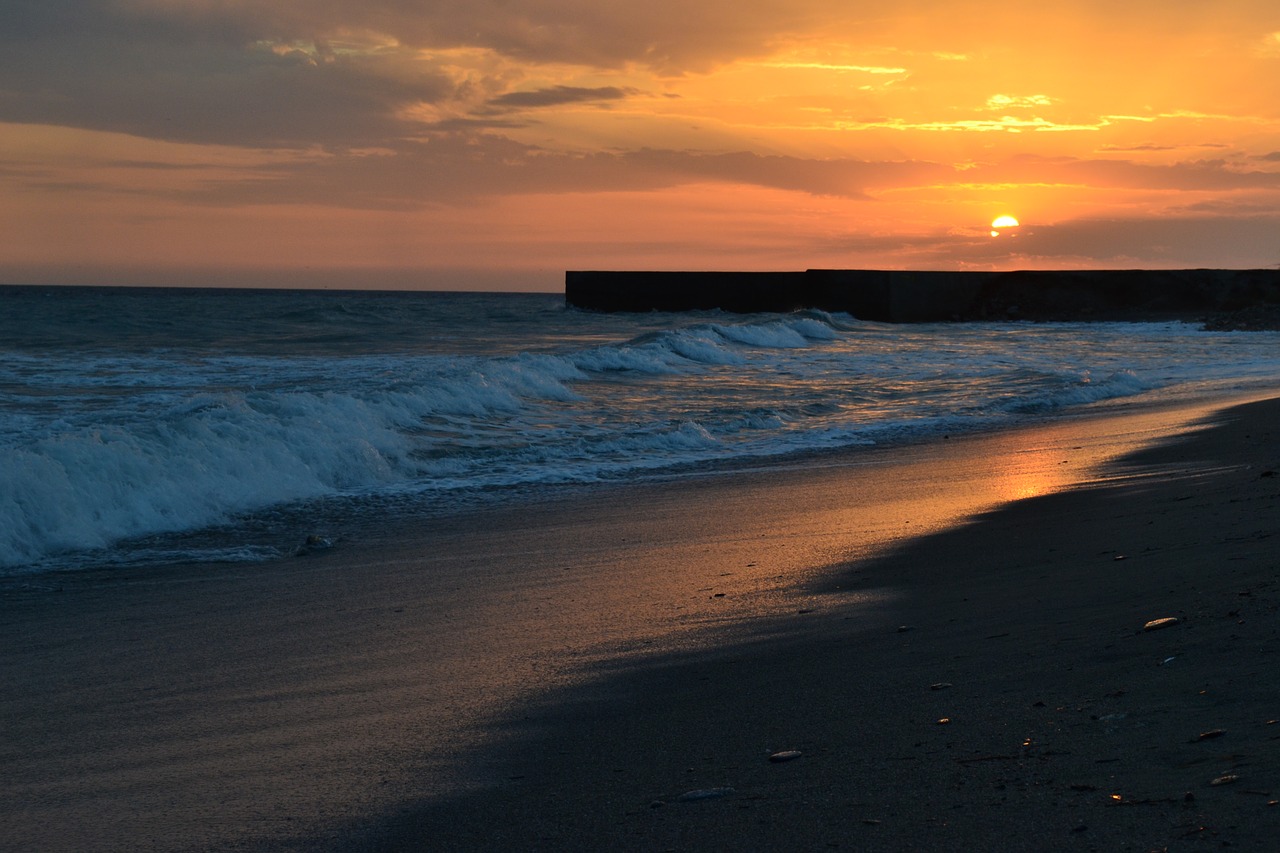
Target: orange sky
<point>497,143</point>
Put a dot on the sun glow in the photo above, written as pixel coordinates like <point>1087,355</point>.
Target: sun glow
<point>1001,222</point>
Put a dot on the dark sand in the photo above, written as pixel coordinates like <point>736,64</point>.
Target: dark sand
<point>556,677</point>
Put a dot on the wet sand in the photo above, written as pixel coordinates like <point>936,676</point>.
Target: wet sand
<point>557,677</point>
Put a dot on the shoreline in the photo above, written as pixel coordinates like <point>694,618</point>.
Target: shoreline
<point>1014,702</point>
<point>302,705</point>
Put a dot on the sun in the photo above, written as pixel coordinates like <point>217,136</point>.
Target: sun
<point>1004,221</point>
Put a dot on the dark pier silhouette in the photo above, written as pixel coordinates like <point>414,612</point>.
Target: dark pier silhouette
<point>904,296</point>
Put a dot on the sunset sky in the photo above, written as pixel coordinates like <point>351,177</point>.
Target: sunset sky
<point>447,144</point>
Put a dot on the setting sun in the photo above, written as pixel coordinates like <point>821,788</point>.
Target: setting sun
<point>999,222</point>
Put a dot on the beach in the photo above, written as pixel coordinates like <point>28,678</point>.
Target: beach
<point>950,634</point>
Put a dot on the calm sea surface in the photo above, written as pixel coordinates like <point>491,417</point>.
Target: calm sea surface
<point>144,426</point>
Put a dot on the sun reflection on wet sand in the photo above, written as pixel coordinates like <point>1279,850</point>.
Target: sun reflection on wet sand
<point>1030,473</point>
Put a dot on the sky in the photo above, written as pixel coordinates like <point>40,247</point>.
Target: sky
<point>493,144</point>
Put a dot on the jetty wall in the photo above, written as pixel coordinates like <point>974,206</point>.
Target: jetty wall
<point>906,296</point>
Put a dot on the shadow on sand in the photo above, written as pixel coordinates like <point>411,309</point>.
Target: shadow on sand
<point>1005,698</point>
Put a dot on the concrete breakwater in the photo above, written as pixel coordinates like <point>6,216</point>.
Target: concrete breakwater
<point>904,296</point>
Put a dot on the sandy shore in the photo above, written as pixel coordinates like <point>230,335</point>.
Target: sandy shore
<point>562,677</point>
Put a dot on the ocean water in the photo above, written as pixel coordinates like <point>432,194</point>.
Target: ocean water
<point>145,426</point>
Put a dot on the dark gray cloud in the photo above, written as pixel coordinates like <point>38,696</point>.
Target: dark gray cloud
<point>228,72</point>
<point>1208,240</point>
<point>1188,175</point>
<point>673,36</point>
<point>470,164</point>
<point>1236,204</point>
<point>844,177</point>
<point>560,95</point>
<point>462,167</point>
<point>1147,146</point>
<point>163,80</point>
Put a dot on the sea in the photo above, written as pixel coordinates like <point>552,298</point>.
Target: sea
<point>145,426</point>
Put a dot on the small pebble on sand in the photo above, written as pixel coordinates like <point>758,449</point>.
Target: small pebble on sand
<point>703,794</point>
